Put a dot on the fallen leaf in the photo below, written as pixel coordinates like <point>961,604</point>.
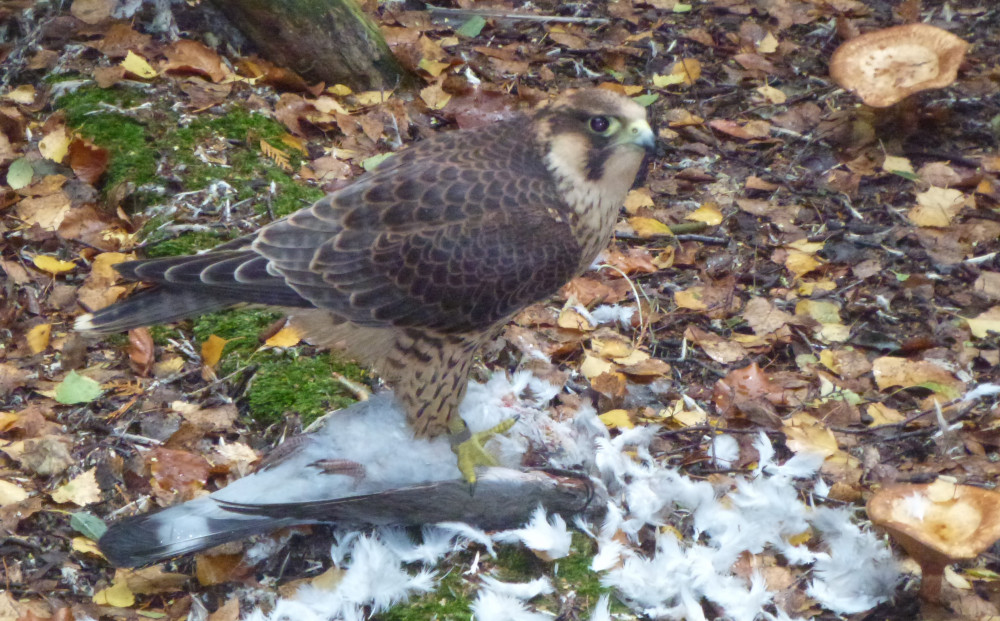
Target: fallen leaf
<point>617,419</point>
<point>117,595</point>
<point>52,265</point>
<point>892,371</point>
<point>984,323</point>
<point>81,490</point>
<point>38,337</point>
<point>647,228</point>
<point>937,206</point>
<point>708,213</point>
<point>211,350</point>
<point>289,336</point>
<point>11,493</point>
<point>138,66</point>
<point>76,388</point>
<point>55,145</point>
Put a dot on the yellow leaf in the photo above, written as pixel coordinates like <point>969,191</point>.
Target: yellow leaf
<point>81,490</point>
<point>339,90</point>
<point>894,163</point>
<point>294,142</point>
<point>24,94</point>
<point>616,419</point>
<point>11,493</point>
<point>708,213</point>
<point>51,265</point>
<point>985,323</point>
<point>807,288</point>
<point>649,227</point>
<point>663,81</point>
<point>288,336</point>
<point>117,595</point>
<point>211,350</point>
<point>688,418</point>
<point>800,263</point>
<point>772,94</point>
<point>611,348</point>
<point>371,98</point>
<point>55,145</point>
<point>168,366</point>
<point>633,358</point>
<point>38,337</point>
<point>435,97</point>
<point>572,320</point>
<point>805,246</point>
<point>768,44</point>
<point>936,207</point>
<point>592,366</point>
<point>803,433</point>
<point>691,298</point>
<point>636,199</point>
<point>137,65</point>
<point>821,311</point>
<point>685,71</point>
<point>883,414</point>
<point>801,538</point>
<point>433,67</point>
<point>86,546</point>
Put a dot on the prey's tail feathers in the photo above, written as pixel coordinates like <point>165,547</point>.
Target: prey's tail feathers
<point>154,305</point>
<point>181,529</point>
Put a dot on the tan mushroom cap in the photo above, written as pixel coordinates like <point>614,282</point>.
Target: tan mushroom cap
<point>952,521</point>
<point>937,524</point>
<point>887,65</point>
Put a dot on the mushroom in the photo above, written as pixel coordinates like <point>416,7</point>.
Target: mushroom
<point>937,524</point>
<point>887,65</point>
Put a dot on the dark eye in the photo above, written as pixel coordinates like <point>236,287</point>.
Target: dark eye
<point>600,124</point>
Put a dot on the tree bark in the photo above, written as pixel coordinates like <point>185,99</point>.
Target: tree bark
<point>329,40</point>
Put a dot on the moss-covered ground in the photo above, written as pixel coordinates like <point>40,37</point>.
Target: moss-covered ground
<point>162,153</point>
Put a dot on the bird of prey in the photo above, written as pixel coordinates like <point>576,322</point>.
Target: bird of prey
<point>416,264</point>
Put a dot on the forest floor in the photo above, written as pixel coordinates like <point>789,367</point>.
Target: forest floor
<point>801,264</point>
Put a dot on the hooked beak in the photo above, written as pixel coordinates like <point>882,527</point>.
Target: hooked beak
<point>640,134</point>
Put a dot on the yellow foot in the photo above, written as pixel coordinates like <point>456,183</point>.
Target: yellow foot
<point>468,447</point>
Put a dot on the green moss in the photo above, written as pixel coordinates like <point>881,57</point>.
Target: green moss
<point>515,563</point>
<point>575,574</point>
<point>161,333</point>
<point>450,601</point>
<point>240,327</point>
<point>291,196</point>
<point>304,385</point>
<point>127,141</point>
<point>284,380</point>
<point>188,243</point>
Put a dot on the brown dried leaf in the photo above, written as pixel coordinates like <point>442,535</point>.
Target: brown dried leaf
<point>140,351</point>
<point>178,471</point>
<point>186,57</point>
<point>88,160</point>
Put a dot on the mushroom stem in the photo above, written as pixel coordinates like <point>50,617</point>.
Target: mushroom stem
<point>931,575</point>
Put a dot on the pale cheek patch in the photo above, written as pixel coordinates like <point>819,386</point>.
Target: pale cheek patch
<point>568,156</point>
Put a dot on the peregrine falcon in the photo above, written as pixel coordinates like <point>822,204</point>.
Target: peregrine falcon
<point>416,264</point>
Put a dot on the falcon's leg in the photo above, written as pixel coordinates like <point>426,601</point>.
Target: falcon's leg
<point>431,376</point>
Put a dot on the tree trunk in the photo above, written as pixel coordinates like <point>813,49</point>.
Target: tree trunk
<point>329,40</point>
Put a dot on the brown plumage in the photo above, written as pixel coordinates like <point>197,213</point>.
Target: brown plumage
<point>415,265</point>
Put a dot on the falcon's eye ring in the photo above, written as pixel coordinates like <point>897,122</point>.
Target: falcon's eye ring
<point>599,124</point>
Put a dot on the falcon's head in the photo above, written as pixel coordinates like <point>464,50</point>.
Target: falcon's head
<point>594,142</point>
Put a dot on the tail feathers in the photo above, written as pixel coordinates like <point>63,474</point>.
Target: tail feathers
<point>189,527</point>
<point>155,305</point>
